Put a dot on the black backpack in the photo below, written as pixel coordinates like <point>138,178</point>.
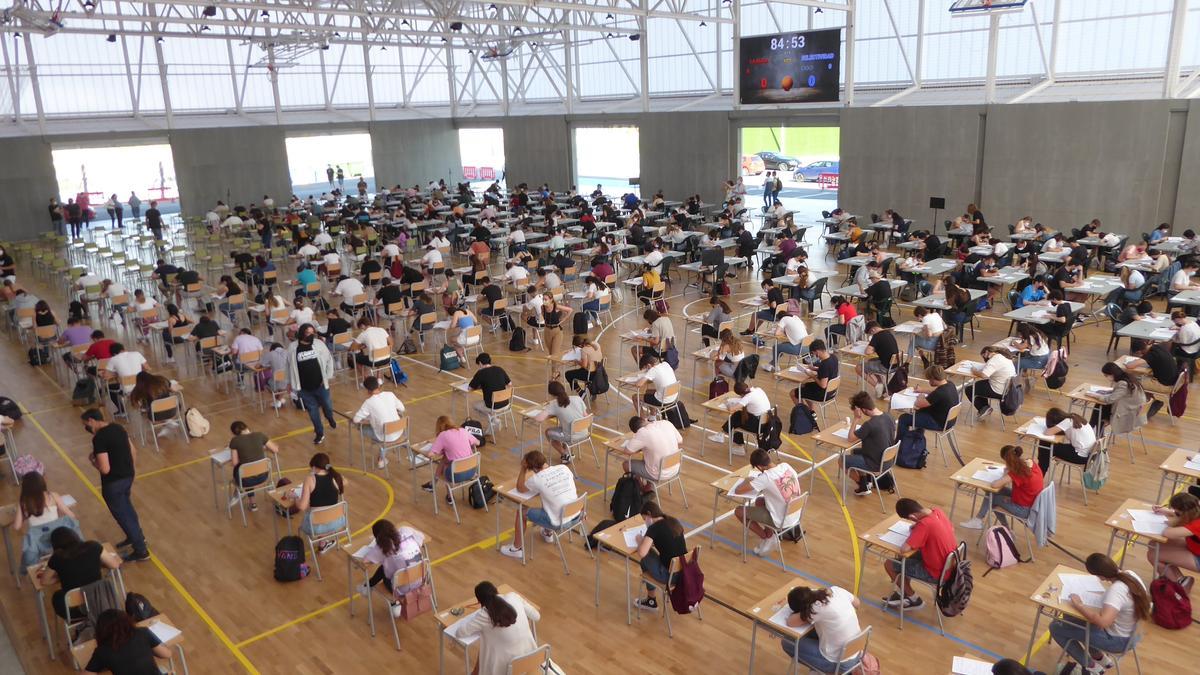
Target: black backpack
<point>804,420</point>
<point>482,493</point>
<point>289,559</point>
<point>516,343</point>
<point>1058,377</point>
<point>769,432</point>
<point>9,408</point>
<point>579,323</point>
<point>138,607</point>
<point>598,383</point>
<point>627,497</point>
<point>476,430</point>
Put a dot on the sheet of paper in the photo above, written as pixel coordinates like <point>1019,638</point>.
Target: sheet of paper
<point>736,486</point>
<point>526,495</point>
<point>1041,314</point>
<point>164,632</point>
<point>1162,334</point>
<point>989,475</point>
<point>221,456</point>
<point>903,401</point>
<point>844,433</point>
<point>573,355</point>
<point>455,628</point>
<point>1102,391</point>
<point>780,618</point>
<point>68,500</point>
<point>370,553</point>
<point>1037,426</point>
<point>963,665</point>
<point>894,538</point>
<point>632,534</point>
<point>1086,586</point>
<point>903,527</point>
<point>1193,463</point>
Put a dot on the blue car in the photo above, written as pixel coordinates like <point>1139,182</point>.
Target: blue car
<point>812,171</point>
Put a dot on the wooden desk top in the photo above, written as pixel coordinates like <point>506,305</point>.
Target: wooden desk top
<point>613,537</point>
<point>1084,393</point>
<point>763,610</point>
<point>964,368</point>
<point>283,495</point>
<point>707,353</point>
<point>445,619</point>
<point>616,445</point>
<point>1176,461</point>
<point>719,404</point>
<point>792,374</point>
<point>1049,599</point>
<point>857,350</point>
<point>32,571</point>
<point>635,336</point>
<point>83,650</point>
<point>509,491</point>
<point>727,482</point>
<point>827,437</point>
<point>872,537</point>
<point>1121,520</point>
<point>1023,430</point>
<point>966,474</point>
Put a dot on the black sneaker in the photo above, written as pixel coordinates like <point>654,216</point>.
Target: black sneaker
<point>648,604</point>
<point>332,424</point>
<point>892,600</point>
<point>124,543</point>
<point>135,556</point>
<point>428,487</point>
<point>913,602</point>
<point>318,439</point>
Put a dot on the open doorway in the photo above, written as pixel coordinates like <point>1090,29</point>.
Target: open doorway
<point>608,157</point>
<point>319,164</point>
<point>482,153</point>
<point>92,174</point>
<point>805,159</point>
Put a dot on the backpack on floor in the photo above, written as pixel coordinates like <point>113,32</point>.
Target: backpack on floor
<point>689,590</point>
<point>769,432</point>
<point>662,306</point>
<point>1172,608</point>
<point>448,359</point>
<point>9,408</point>
<point>955,593</point>
<point>289,559</point>
<point>626,498</point>
<point>475,428</point>
<point>870,664</point>
<point>1095,472</point>
<point>409,346</point>
<point>39,356</point>
<point>482,493</point>
<point>913,451</point>
<point>1001,549</point>
<point>516,342</point>
<point>27,464</point>
<point>804,420</point>
<point>678,416</point>
<point>899,381</point>
<point>84,393</point>
<point>197,426</point>
<point>398,374</point>
<point>1013,398</point>
<point>600,527</point>
<point>718,387</point>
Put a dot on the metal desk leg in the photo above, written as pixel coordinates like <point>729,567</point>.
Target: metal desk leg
<point>599,552</point>
<point>350,584</point>
<point>628,601</point>
<point>212,472</point>
<point>182,659</point>
<point>497,526</point>
<point>13,564</point>
<point>712,531</point>
<point>753,638</point>
<point>524,537</point>
<point>1037,618</point>
<point>370,603</point>
<point>903,583</point>
<point>41,603</point>
<point>441,651</point>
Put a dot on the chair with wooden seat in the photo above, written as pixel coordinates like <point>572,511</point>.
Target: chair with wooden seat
<point>472,463</point>
<point>358,305</point>
<point>500,411</point>
<point>425,324</point>
<point>235,306</point>
<point>249,363</point>
<point>471,339</point>
<point>536,662</point>
<point>831,392</point>
<point>1064,469</point>
<point>44,336</point>
<point>670,463</point>
<point>411,576</point>
<point>398,428</point>
<point>947,433</point>
<point>163,413</point>
<point>581,429</point>
<point>1128,435</point>
<point>495,315</point>
<point>252,478</point>
<point>572,518</point>
<point>668,400</point>
<point>886,465</point>
<point>76,604</point>
<point>605,307</point>
<point>1044,498</point>
<point>672,573</point>
<point>277,389</point>
<point>380,364</point>
<point>325,515</point>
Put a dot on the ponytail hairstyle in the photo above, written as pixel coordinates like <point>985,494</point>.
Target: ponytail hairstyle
<point>802,600</point>
<point>499,611</point>
<point>1103,566</point>
<point>559,392</point>
<point>1011,454</point>
<point>322,461</point>
<point>1185,504</point>
<point>386,536</point>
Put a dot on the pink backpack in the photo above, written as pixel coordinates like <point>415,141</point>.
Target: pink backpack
<point>1001,549</point>
<point>27,463</point>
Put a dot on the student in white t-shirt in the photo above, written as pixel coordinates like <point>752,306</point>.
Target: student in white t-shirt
<point>556,486</point>
<point>1187,339</point>
<point>659,375</point>
<point>380,408</point>
<point>1111,625</point>
<point>997,370</point>
<point>516,274</point>
<point>657,440</point>
<point>932,327</point>
<point>1182,280</point>
<point>1078,439</point>
<point>776,485</point>
<point>832,614</point>
<point>370,339</point>
<point>790,332</point>
<point>432,257</point>
<point>752,403</point>
<point>123,364</point>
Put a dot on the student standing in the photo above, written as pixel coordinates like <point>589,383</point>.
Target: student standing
<point>311,370</point>
<point>114,456</point>
<point>1111,626</point>
<point>932,538</point>
<point>663,542</point>
<point>502,624</point>
<point>832,614</point>
<point>1018,489</point>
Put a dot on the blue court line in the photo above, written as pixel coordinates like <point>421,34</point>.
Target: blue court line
<point>800,573</point>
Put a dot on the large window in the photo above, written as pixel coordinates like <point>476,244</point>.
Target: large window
<point>96,173</point>
<point>608,157</point>
<point>482,154</point>
<point>313,159</point>
<point>805,159</point>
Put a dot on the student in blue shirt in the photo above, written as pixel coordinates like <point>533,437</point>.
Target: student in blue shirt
<point>1034,292</point>
<point>305,276</point>
<point>1160,232</point>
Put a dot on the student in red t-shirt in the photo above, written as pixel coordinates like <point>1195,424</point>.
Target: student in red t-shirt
<point>101,347</point>
<point>845,311</point>
<point>932,538</point>
<point>1020,486</point>
<point>1182,549</point>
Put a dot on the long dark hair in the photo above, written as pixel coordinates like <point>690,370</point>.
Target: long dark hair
<point>499,611</point>
<point>1119,374</point>
<point>322,461</point>
<point>653,510</point>
<point>65,541</point>
<point>33,494</point>
<point>803,599</point>
<point>559,392</point>
<point>114,628</point>
<point>1103,566</point>
<point>1055,416</point>
<point>386,536</point>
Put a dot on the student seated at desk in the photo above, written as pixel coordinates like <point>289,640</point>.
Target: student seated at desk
<point>1182,549</point>
<point>719,314</point>
<point>567,409</point>
<point>1080,437</point>
<point>832,614</point>
<point>650,279</point>
<point>777,484</point>
<point>876,432</point>
<point>401,549</point>
<point>931,540</point>
<point>790,334</point>
<point>818,379</point>
<point>1019,488</point>
<point>996,372</point>
<point>1164,371</point>
<point>1122,408</point>
<point>590,357</point>
<point>882,353</point>
<point>729,355</point>
<point>657,440</point>
<point>502,624</point>
<point>933,403</point>
<point>1109,628</point>
<point>323,486</point>
<point>39,512</point>
<point>932,327</point>
<point>451,443</point>
<point>555,485</point>
<point>123,648</point>
<point>662,336</point>
<point>75,563</point>
<point>1186,343</point>
<point>249,446</point>
<point>752,404</point>
<point>845,312</point>
<point>663,542</point>
<point>1033,345</point>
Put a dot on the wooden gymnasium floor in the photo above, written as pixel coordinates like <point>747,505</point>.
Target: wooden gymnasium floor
<point>213,576</point>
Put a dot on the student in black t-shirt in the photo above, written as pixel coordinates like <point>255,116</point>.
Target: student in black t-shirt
<point>123,648</point>
<point>774,302</point>
<point>933,403</point>
<point>488,379</point>
<point>422,304</point>
<point>1060,324</point>
<point>73,564</point>
<point>818,378</point>
<point>113,455</point>
<point>1163,370</point>
<point>491,292</point>
<point>154,220</point>
<point>881,343</point>
<point>662,543</point>
<point>311,371</point>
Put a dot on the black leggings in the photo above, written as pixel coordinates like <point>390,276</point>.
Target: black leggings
<point>575,375</point>
<point>709,331</point>
<point>982,393</point>
<point>380,576</point>
<point>1064,451</point>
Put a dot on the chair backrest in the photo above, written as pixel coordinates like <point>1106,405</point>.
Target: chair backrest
<point>475,331</point>
<point>468,463</point>
<point>342,338</point>
<point>237,299</point>
<point>249,470</point>
<point>279,376</point>
<point>46,332</point>
<point>325,515</point>
<point>670,393</point>
<point>427,321</point>
<point>535,662</point>
<point>246,358</point>
<point>413,574</point>
<point>952,415</point>
<point>832,388</point>
<point>855,645</point>
<point>502,398</point>
<point>395,427</point>
<point>573,509</point>
<point>75,599</point>
<point>380,355</point>
<point>210,342</point>
<point>162,405</point>
<point>500,304</point>
<point>795,508</point>
<point>129,381</point>
<point>313,288</point>
<point>889,457</point>
<point>669,463</point>
<point>581,426</point>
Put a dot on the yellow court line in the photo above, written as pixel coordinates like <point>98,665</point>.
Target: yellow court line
<point>837,495</point>
<point>216,630</point>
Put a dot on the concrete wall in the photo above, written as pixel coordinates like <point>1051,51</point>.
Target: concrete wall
<point>415,152</point>
<point>686,153</point>
<point>898,158</point>
<point>27,181</point>
<point>238,164</point>
<point>1187,201</point>
<point>538,150</point>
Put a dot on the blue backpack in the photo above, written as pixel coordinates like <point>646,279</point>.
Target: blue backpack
<point>912,450</point>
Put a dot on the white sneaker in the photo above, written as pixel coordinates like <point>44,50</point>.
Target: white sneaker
<point>363,589</point>
<point>382,463</point>
<point>717,437</point>
<point>547,536</point>
<point>972,524</point>
<point>512,551</point>
<point>397,610</point>
<point>277,404</point>
<point>767,546</point>
<point>738,450</point>
<point>769,368</point>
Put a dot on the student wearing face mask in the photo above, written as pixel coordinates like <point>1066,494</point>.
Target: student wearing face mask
<point>311,370</point>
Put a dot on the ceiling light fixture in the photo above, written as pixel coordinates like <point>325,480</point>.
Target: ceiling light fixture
<point>210,11</point>
<point>265,14</point>
<point>702,24</point>
<point>203,28</point>
<point>404,22</point>
<point>89,6</point>
<point>112,37</point>
<point>608,17</point>
<point>457,25</point>
<point>819,11</point>
<point>635,37</point>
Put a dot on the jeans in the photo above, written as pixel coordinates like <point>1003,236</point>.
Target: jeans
<point>1003,500</point>
<point>807,650</point>
<point>656,568</point>
<point>928,343</point>
<point>786,348</point>
<point>314,399</point>
<point>1029,362</point>
<point>120,504</point>
<point>1071,636</point>
<point>920,420</point>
